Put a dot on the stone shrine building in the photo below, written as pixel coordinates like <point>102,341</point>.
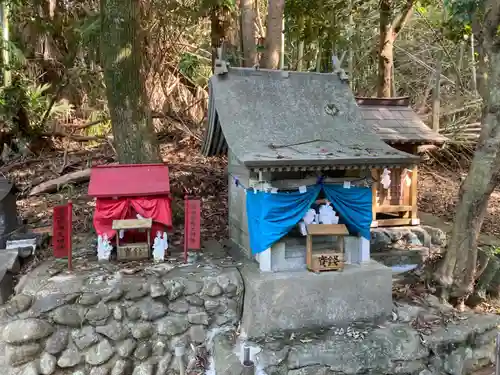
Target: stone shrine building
<point>296,141</point>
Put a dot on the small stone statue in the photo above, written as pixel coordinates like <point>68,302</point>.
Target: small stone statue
<point>158,249</point>
<point>160,245</point>
<point>104,247</point>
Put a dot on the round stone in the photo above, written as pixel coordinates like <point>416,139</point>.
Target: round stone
<point>26,330</point>
<point>144,369</point>
<point>198,318</point>
<point>19,303</point>
<point>180,306</point>
<point>114,331</point>
<point>195,300</point>
<point>102,370</point>
<point>172,325</point>
<point>21,354</point>
<point>97,315</point>
<point>197,334</point>
<point>157,290</point>
<point>159,348</point>
<point>88,299</point>
<point>118,313</point>
<point>57,342</point>
<point>175,289</point>
<point>126,347</point>
<point>71,316</point>
<point>143,351</point>
<point>192,287</point>
<point>135,293</point>
<point>100,353</point>
<point>164,364</point>
<point>122,367</point>
<point>211,304</point>
<point>151,309</point>
<point>47,364</point>
<point>134,313</point>
<point>69,357</point>
<point>30,369</point>
<point>85,337</point>
<point>211,289</point>
<point>114,295</point>
<point>142,330</point>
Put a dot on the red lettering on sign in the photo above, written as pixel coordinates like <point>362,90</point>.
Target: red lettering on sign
<point>192,218</point>
<point>62,228</point>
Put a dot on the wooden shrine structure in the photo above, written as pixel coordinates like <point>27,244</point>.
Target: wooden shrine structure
<point>399,126</point>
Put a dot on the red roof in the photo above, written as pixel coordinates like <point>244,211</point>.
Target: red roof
<point>129,180</point>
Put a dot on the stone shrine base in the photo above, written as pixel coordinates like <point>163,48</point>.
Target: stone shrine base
<point>296,300</point>
<point>426,339</point>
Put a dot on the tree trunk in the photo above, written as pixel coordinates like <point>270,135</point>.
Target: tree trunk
<point>223,30</point>
<point>300,52</point>
<point>389,30</point>
<point>248,33</point>
<point>271,55</point>
<point>457,272</point>
<point>385,52</point>
<point>133,131</point>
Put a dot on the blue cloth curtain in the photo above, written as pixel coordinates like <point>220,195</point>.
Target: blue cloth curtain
<point>353,206</point>
<point>272,216</point>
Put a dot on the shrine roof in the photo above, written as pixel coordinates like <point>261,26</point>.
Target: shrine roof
<point>395,121</point>
<point>129,180</point>
<point>272,118</point>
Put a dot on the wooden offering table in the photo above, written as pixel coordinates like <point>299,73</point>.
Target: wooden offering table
<point>133,251</point>
<point>332,260</point>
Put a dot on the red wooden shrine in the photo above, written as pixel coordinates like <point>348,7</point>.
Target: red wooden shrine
<point>123,191</point>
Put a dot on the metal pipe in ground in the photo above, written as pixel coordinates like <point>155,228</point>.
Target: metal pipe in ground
<point>248,365</point>
<point>497,355</point>
<point>179,352</point>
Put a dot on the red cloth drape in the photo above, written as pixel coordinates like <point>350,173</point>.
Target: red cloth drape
<point>157,208</point>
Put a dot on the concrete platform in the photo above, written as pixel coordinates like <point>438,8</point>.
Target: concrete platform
<point>305,300</point>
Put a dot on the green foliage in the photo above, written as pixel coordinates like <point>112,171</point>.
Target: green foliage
<point>193,68</point>
<point>36,103</point>
<point>102,126</point>
<point>460,14</point>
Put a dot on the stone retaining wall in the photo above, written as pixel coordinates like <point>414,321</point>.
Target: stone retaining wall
<point>93,324</point>
<point>394,246</point>
<point>420,340</point>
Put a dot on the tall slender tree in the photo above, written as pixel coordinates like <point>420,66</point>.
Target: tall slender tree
<point>121,49</point>
<point>390,26</point>
<point>248,32</point>
<point>457,272</point>
<point>272,45</point>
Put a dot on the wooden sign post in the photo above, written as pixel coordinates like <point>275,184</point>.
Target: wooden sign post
<point>192,218</point>
<point>62,232</point>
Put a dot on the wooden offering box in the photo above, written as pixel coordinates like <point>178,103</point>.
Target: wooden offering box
<point>332,260</point>
<point>133,251</point>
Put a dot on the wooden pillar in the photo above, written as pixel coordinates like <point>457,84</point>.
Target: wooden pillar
<point>414,194</point>
<point>375,184</point>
